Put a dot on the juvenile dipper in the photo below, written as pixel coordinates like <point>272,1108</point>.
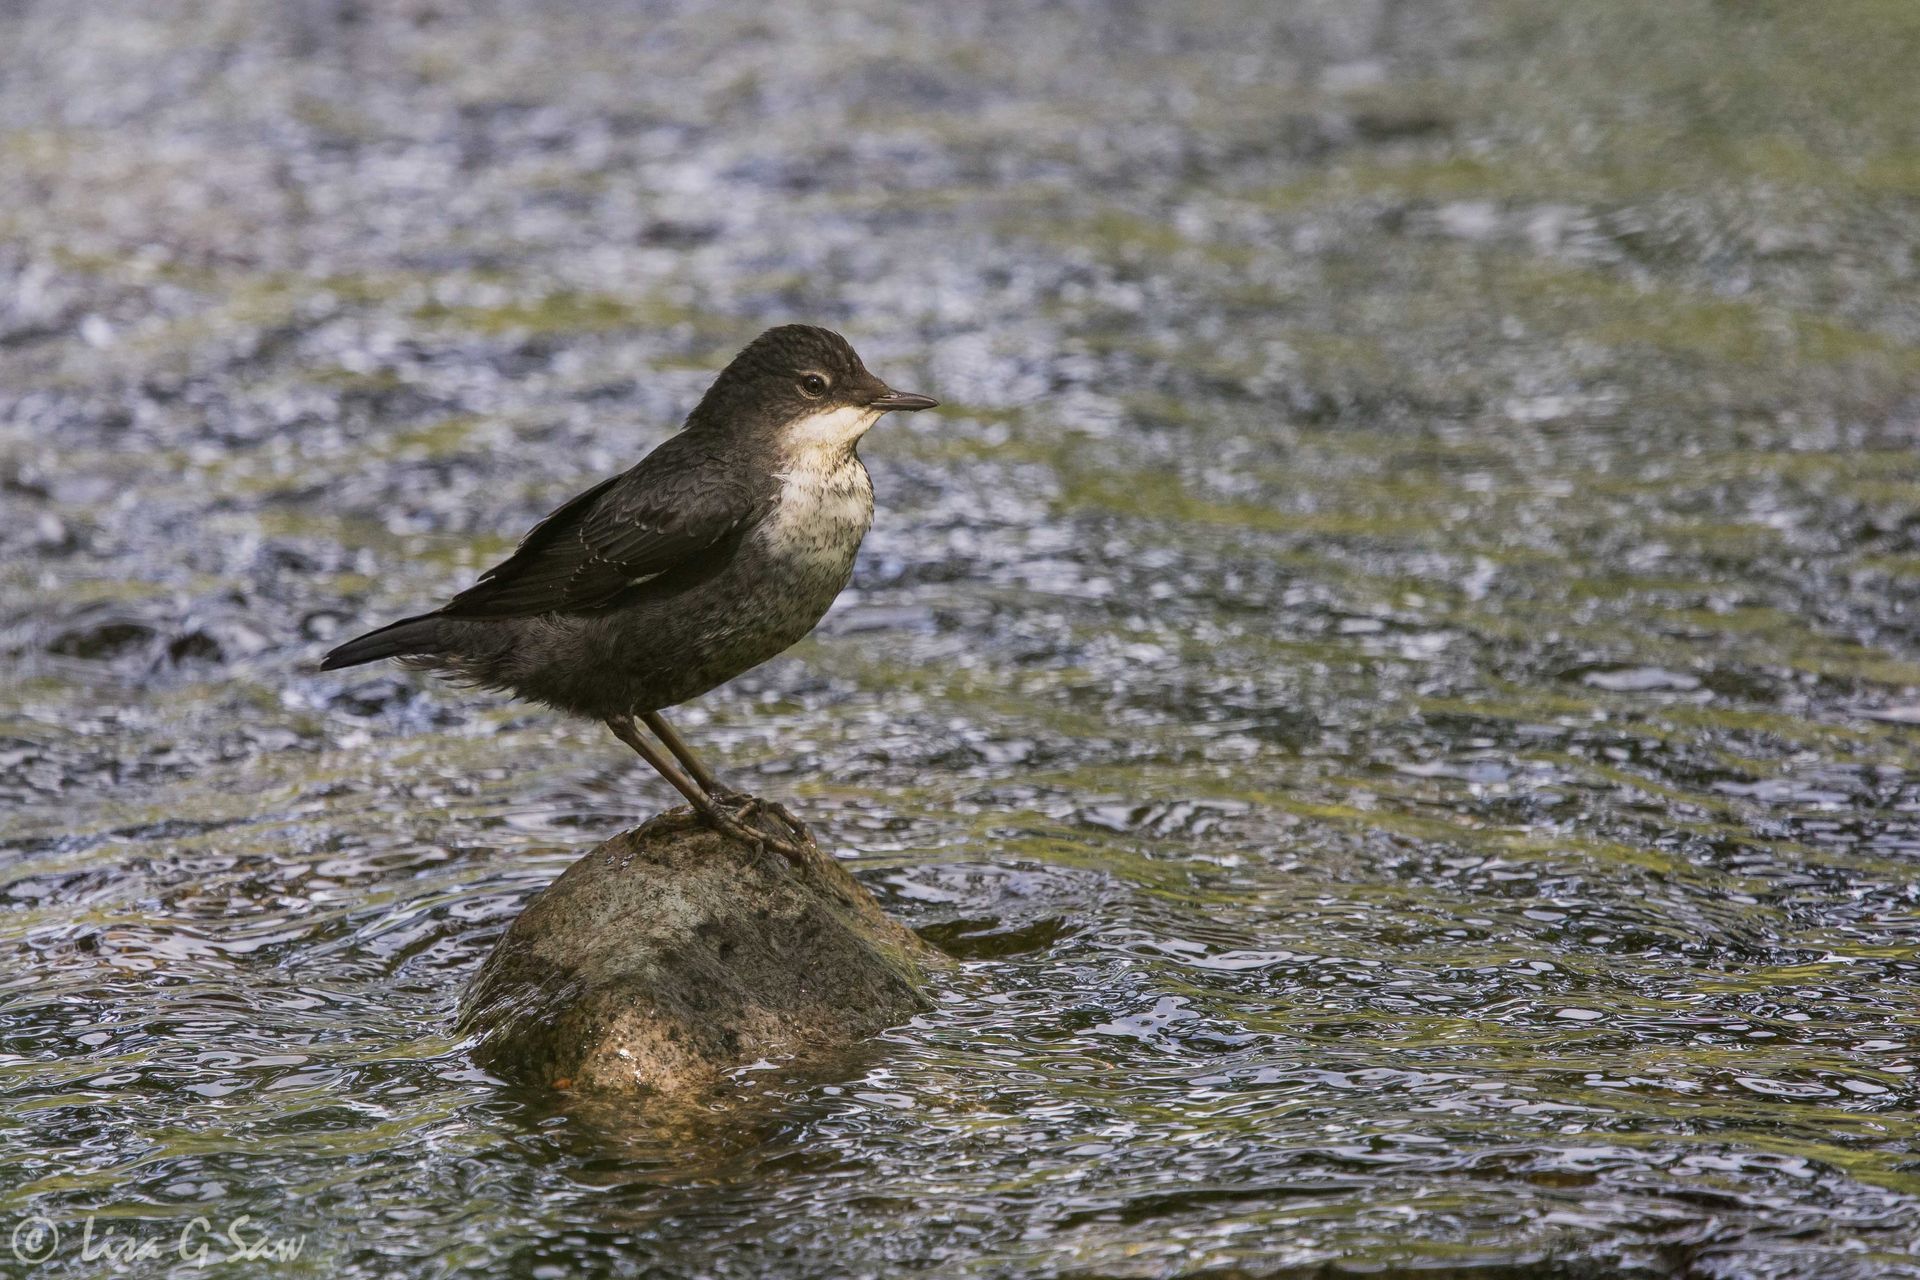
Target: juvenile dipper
<point>719,549</point>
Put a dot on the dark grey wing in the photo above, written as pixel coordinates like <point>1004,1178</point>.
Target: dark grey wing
<point>681,511</point>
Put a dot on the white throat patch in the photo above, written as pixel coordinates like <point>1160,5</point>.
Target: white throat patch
<point>830,431</point>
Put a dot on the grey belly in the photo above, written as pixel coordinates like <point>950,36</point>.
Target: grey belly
<point>663,651</point>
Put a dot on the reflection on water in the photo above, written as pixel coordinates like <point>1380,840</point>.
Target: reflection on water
<point>1393,671</point>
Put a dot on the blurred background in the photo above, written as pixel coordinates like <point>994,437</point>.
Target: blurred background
<point>1391,667</point>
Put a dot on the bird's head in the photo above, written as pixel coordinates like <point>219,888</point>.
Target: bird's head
<point>804,389</point>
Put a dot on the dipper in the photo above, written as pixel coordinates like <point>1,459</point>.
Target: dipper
<point>718,550</point>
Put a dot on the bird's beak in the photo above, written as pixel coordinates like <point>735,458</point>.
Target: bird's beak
<point>904,400</point>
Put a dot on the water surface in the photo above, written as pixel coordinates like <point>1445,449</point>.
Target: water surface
<point>1393,669</point>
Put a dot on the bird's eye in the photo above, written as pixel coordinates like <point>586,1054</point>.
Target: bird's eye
<point>814,385</point>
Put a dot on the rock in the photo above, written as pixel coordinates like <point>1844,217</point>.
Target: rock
<point>102,640</point>
<point>672,954</point>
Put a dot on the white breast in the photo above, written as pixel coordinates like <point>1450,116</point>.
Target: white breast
<point>822,515</point>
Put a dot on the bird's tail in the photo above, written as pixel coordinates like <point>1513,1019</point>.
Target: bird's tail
<point>420,634</point>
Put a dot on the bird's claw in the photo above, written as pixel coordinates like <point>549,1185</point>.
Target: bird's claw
<point>732,806</point>
<point>748,807</point>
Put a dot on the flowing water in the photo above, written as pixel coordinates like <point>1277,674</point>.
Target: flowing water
<point>1392,671</point>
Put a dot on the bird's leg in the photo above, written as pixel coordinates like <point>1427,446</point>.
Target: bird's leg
<point>683,753</point>
<point>715,817</point>
<point>704,776</point>
<point>623,729</point>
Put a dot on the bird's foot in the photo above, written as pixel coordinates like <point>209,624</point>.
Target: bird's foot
<point>751,806</point>
<point>726,816</point>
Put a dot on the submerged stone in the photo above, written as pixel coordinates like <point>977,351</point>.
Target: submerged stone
<point>672,954</point>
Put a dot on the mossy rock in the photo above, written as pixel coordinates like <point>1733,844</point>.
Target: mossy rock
<point>672,954</point>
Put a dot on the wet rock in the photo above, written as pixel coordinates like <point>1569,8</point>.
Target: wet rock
<point>671,955</point>
<point>102,640</point>
<point>372,697</point>
<point>195,646</point>
<point>669,234</point>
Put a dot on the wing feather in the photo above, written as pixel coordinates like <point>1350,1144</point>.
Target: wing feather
<point>680,512</point>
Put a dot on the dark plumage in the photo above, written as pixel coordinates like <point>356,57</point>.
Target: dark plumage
<point>715,552</point>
